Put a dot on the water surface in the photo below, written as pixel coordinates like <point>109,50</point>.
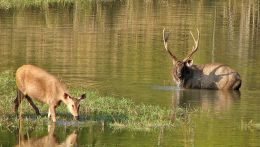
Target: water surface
<point>116,48</point>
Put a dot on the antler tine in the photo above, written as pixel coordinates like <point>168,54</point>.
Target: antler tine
<point>165,39</point>
<point>195,47</point>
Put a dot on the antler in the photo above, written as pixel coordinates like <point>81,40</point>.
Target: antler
<point>165,39</point>
<point>195,47</point>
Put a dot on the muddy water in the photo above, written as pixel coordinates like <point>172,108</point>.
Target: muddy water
<point>116,48</point>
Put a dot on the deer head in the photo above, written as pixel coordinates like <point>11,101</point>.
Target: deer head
<point>73,104</point>
<point>181,67</point>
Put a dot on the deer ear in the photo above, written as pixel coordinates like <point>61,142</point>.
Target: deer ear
<point>66,95</point>
<point>173,62</point>
<point>83,96</point>
<point>189,63</point>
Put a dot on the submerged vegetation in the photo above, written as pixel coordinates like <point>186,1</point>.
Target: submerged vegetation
<point>109,111</point>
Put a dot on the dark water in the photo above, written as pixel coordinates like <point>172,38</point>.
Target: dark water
<point>116,48</point>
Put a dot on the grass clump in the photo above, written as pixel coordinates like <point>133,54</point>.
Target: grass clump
<point>125,113</point>
<point>112,112</point>
<point>7,91</point>
<point>14,4</point>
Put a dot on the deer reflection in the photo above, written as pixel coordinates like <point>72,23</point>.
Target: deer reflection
<point>48,140</point>
<point>216,101</point>
<point>205,99</point>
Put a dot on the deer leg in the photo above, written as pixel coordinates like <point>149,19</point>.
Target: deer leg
<point>53,113</point>
<point>17,101</point>
<point>49,113</point>
<point>51,129</point>
<point>33,105</point>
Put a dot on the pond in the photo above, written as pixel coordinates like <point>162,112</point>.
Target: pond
<point>116,48</point>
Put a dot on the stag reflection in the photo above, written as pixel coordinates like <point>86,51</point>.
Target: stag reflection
<point>49,140</point>
<point>205,99</point>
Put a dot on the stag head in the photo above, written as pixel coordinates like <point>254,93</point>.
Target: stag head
<point>181,67</point>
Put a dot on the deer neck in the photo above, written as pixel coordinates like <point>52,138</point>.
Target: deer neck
<point>186,76</point>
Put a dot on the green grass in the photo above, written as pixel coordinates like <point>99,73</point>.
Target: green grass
<point>109,111</point>
<point>14,4</point>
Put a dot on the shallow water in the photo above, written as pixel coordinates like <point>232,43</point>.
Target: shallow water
<point>116,48</point>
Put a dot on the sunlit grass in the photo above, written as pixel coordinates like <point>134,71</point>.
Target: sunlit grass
<point>113,112</point>
<point>12,4</point>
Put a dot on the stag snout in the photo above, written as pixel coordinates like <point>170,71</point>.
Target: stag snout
<point>178,74</point>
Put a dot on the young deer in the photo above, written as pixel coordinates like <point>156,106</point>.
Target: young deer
<point>34,82</point>
<point>207,76</point>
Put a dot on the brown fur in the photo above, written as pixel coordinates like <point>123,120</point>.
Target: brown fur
<point>209,76</point>
<point>34,82</point>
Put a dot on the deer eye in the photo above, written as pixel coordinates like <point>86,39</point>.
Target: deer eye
<point>72,106</point>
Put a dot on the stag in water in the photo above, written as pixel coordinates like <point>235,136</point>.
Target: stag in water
<point>207,76</point>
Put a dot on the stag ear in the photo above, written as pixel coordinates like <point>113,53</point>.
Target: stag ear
<point>174,62</point>
<point>189,63</point>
